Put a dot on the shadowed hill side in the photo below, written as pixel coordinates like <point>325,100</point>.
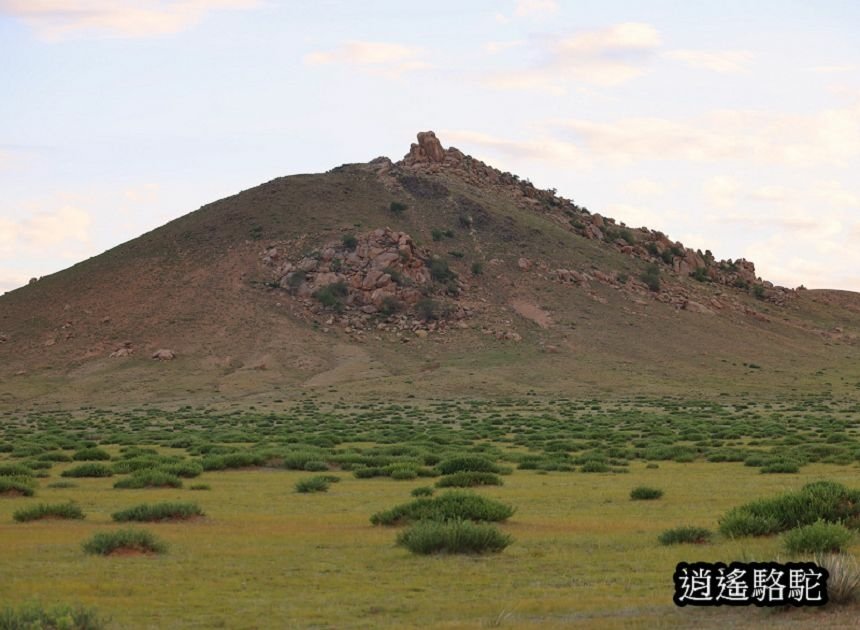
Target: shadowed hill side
<point>437,272</point>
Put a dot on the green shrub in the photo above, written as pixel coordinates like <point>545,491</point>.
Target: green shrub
<point>468,479</point>
<point>331,296</point>
<point>822,500</point>
<point>149,478</point>
<point>89,470</point>
<point>427,309</point>
<point>315,465</point>
<point>422,491</point>
<point>644,493</point>
<point>651,277</point>
<point>448,506</point>
<point>312,484</point>
<point>91,455</point>
<point>135,540</point>
<point>437,234</point>
<point>780,467</point>
<point>349,241</point>
<point>477,268</point>
<point>34,616</point>
<point>474,463</point>
<point>595,467</point>
<point>402,472</point>
<point>244,459</point>
<point>158,512</point>
<point>678,535</point>
<point>15,486</point>
<point>440,272</point>
<point>44,510</point>
<point>397,207</point>
<point>200,486</point>
<point>188,470</point>
<point>820,537</point>
<point>15,470</point>
<point>428,537</point>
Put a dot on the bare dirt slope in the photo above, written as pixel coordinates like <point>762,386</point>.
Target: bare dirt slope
<point>443,277</point>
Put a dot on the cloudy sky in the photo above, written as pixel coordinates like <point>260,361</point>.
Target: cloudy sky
<point>731,125</point>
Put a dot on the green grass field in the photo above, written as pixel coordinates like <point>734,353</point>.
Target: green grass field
<point>584,554</point>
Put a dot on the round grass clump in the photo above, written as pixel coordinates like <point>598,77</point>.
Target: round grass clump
<point>15,470</point>
<point>152,478</point>
<point>159,512</point>
<point>89,470</point>
<point>820,537</point>
<point>316,465</point>
<point>422,491</point>
<point>469,479</point>
<point>466,462</point>
<point>13,487</point>
<point>449,506</point>
<point>91,455</point>
<point>132,541</point>
<point>679,535</point>
<point>427,537</point>
<point>644,493</point>
<point>312,484</point>
<point>46,511</point>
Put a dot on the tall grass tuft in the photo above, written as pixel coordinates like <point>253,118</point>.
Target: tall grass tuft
<point>135,540</point>
<point>820,537</point>
<point>44,510</point>
<point>158,512</point>
<point>34,616</point>
<point>448,506</point>
<point>457,536</point>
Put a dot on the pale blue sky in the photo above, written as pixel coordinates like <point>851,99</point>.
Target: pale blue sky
<point>729,126</point>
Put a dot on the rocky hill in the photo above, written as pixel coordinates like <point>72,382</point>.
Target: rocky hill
<point>437,274</point>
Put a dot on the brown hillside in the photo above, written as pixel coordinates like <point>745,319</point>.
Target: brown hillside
<point>435,275</point>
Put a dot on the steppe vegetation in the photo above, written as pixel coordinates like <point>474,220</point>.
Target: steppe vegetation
<point>410,513</point>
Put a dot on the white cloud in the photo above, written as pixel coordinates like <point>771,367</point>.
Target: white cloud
<point>722,61</point>
<point>381,57</point>
<point>771,194</point>
<point>544,148</point>
<point>721,191</point>
<point>497,47</point>
<point>644,187</point>
<point>44,230</point>
<point>605,57</point>
<point>59,19</point>
<point>530,8</point>
<point>826,137</point>
<point>832,69</point>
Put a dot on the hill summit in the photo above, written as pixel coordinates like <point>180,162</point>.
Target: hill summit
<point>436,269</point>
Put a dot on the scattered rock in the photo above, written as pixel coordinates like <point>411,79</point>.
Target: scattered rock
<point>164,354</point>
<point>524,263</point>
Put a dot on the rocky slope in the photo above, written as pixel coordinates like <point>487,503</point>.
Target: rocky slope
<point>320,280</point>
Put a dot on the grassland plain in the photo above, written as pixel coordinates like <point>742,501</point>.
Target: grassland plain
<point>264,556</point>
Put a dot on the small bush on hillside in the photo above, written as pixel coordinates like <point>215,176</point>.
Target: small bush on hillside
<point>679,535</point>
<point>651,277</point>
<point>332,296</point>
<point>34,616</point>
<point>232,460</point>
<point>477,268</point>
<point>89,470</point>
<point>91,455</point>
<point>422,491</point>
<point>44,510</point>
<point>820,537</point>
<point>644,493</point>
<point>440,272</point>
<point>158,512</point>
<point>135,540</point>
<point>427,309</point>
<point>315,465</point>
<point>595,467</point>
<point>312,484</point>
<point>149,479</point>
<point>397,207</point>
<point>781,467</point>
<point>349,241</point>
<point>437,234</point>
<point>448,506</point>
<point>468,479</point>
<point>428,537</point>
